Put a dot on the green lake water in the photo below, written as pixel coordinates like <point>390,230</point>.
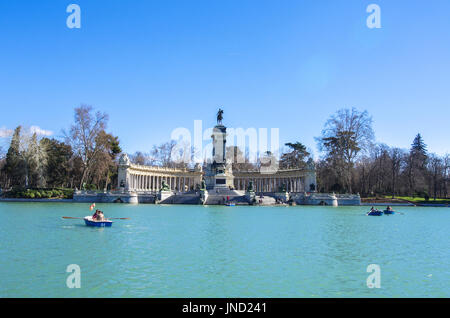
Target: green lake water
<point>196,251</point>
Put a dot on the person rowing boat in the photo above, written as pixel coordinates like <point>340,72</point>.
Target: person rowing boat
<point>374,211</point>
<point>98,216</point>
<point>389,210</point>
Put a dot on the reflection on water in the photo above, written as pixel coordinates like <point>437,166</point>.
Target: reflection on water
<point>196,251</point>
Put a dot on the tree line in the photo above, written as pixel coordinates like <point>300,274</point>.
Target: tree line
<point>350,161</point>
<point>85,158</point>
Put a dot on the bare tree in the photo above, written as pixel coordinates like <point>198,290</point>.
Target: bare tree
<point>139,158</point>
<point>446,174</point>
<point>397,157</point>
<point>436,169</point>
<point>84,135</point>
<point>345,135</point>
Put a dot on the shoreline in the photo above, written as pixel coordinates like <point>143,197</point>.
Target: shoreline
<point>437,205</point>
<point>37,200</point>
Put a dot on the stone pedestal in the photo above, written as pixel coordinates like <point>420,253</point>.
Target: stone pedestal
<point>203,196</point>
<point>163,195</point>
<point>133,198</point>
<point>250,196</point>
<point>218,174</point>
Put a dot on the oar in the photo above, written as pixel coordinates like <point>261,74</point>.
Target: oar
<point>69,217</point>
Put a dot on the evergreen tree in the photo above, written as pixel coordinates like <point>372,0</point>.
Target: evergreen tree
<point>417,162</point>
<point>15,166</point>
<point>58,167</point>
<point>295,158</point>
<point>419,150</point>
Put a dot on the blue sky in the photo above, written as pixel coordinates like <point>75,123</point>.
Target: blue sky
<point>158,65</point>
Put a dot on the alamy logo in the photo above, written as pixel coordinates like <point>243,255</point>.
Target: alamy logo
<point>251,144</point>
<point>74,279</point>
<point>374,279</point>
<point>74,19</point>
<point>374,19</point>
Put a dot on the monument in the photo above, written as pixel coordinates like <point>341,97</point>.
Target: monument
<point>218,172</point>
<point>216,182</point>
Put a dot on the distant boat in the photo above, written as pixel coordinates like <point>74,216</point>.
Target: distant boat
<point>375,213</point>
<point>389,212</point>
<point>90,222</point>
<point>230,204</point>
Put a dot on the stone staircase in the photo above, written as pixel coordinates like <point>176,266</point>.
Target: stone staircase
<point>266,200</point>
<point>220,197</point>
<point>182,199</point>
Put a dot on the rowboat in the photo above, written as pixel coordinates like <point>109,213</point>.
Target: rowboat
<point>375,213</point>
<point>389,212</point>
<point>90,222</point>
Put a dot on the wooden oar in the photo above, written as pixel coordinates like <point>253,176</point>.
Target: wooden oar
<point>69,217</point>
